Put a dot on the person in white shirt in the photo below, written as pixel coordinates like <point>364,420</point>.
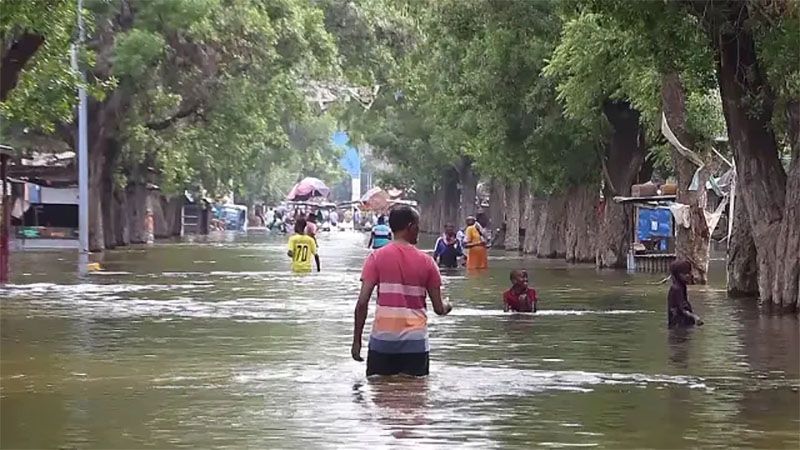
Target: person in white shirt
<point>269,217</point>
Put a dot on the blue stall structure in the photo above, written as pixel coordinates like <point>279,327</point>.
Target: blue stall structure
<point>652,246</point>
<point>234,217</point>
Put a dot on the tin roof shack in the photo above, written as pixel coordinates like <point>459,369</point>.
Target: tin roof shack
<point>44,217</point>
<point>44,202</point>
<point>653,238</point>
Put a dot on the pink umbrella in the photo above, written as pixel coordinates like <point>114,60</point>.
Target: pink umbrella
<point>308,187</point>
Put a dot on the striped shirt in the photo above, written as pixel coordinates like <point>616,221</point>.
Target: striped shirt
<point>403,275</point>
<point>381,236</point>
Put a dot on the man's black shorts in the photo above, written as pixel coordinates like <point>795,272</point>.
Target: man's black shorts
<point>414,364</point>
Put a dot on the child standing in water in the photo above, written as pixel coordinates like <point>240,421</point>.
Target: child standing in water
<point>520,298</point>
<point>448,249</point>
<point>311,231</point>
<point>679,310</point>
<point>302,248</point>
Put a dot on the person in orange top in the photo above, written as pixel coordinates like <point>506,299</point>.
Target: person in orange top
<point>475,243</point>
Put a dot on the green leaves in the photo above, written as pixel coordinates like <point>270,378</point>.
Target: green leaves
<point>137,52</point>
<point>596,59</point>
<point>44,94</point>
<point>210,92</point>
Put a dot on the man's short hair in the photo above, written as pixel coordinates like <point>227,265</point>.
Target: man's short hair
<point>402,217</point>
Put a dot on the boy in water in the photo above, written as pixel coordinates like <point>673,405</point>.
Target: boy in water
<point>679,310</point>
<point>301,248</point>
<point>311,231</point>
<point>448,248</point>
<point>381,234</point>
<point>311,225</point>
<point>520,298</point>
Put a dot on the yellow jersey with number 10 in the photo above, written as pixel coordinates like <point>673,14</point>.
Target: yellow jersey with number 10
<point>303,249</point>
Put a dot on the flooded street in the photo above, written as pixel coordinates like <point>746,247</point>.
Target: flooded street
<point>216,344</point>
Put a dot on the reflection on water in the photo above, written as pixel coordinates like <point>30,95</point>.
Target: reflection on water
<point>213,343</point>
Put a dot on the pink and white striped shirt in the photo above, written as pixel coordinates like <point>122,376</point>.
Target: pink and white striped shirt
<point>403,275</point>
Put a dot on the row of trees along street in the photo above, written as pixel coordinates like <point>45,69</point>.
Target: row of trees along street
<point>548,103</point>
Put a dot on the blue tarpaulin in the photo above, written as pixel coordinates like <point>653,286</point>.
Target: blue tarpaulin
<point>654,224</point>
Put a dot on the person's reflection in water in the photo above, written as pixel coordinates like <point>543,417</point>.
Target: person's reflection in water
<point>679,340</point>
<point>680,399</point>
<point>400,401</point>
<point>519,326</point>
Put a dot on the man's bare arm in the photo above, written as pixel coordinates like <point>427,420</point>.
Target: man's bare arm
<point>362,308</point>
<point>440,307</point>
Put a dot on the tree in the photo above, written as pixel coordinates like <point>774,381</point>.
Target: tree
<point>593,65</point>
<point>200,93</point>
<point>652,57</point>
<point>25,27</point>
<point>747,39</point>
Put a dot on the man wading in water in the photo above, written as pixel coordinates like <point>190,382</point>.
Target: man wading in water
<point>403,274</point>
<point>679,310</point>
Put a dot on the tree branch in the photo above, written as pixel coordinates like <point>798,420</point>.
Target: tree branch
<point>166,123</point>
<point>21,50</point>
<point>606,175</point>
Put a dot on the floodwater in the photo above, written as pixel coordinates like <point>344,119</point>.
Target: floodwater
<point>216,344</point>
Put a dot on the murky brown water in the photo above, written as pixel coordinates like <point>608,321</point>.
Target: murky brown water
<point>217,345</point>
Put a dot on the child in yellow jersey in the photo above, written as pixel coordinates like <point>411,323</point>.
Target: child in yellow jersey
<point>302,248</point>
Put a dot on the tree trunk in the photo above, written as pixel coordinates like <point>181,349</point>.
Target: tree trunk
<point>122,231</point>
<point>786,283</point>
<point>96,169</point>
<point>512,216</point>
<point>536,211</point>
<point>469,189</point>
<point>742,266</point>
<point>563,225</point>
<point>550,232</point>
<point>692,244</point>
<point>107,205</point>
<point>623,159</point>
<point>452,198</point>
<point>580,233</point>
<point>793,119</point>
<point>161,228</point>
<point>431,211</point>
<point>137,212</point>
<point>526,209</point>
<point>497,205</point>
<point>773,200</point>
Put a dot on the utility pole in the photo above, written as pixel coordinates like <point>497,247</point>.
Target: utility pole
<point>83,152</point>
<point>5,217</point>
